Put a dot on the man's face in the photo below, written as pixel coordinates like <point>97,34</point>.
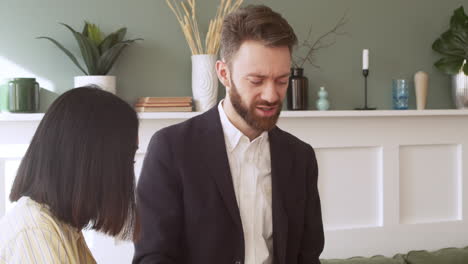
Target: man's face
<point>258,81</point>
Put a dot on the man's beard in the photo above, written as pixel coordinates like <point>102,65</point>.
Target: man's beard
<point>248,112</point>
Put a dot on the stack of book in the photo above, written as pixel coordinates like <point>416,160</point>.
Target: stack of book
<point>164,104</point>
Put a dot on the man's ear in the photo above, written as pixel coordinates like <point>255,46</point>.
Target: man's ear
<point>223,73</point>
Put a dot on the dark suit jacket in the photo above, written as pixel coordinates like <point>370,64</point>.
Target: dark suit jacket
<point>188,208</point>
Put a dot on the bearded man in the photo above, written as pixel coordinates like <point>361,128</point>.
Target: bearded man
<point>229,186</point>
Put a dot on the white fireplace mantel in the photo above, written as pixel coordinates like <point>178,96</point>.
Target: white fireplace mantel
<point>286,114</point>
<point>390,181</point>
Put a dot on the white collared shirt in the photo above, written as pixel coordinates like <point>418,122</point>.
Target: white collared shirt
<point>250,165</point>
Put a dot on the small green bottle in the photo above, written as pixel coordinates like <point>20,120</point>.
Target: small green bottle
<point>4,94</point>
<point>322,103</point>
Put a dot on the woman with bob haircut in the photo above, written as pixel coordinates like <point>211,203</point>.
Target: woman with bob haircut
<point>77,173</point>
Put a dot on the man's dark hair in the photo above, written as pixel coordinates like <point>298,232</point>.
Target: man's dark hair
<point>257,23</point>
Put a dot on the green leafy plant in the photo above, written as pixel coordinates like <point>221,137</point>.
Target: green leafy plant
<point>99,52</point>
<point>453,45</point>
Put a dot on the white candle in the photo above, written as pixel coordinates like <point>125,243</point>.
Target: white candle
<point>365,59</point>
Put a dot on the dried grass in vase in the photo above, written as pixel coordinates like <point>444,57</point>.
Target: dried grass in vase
<point>185,12</point>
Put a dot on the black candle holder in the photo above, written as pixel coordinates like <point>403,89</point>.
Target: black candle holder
<point>365,73</point>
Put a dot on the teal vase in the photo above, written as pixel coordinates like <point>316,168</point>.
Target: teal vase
<point>322,103</point>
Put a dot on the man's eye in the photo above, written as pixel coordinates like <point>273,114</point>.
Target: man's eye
<point>255,82</point>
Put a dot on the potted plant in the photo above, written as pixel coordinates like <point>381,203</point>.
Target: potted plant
<point>298,83</point>
<point>453,46</point>
<point>99,53</point>
<point>204,78</point>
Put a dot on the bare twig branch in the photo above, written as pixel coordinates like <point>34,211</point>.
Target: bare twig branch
<point>320,43</point>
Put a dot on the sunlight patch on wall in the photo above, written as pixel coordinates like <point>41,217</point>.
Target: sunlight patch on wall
<point>9,69</point>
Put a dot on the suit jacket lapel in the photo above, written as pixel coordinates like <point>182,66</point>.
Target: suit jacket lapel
<point>281,162</point>
<point>217,163</point>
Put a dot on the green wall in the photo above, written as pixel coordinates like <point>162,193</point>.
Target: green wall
<point>399,34</point>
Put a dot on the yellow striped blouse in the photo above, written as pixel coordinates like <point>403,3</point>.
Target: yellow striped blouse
<point>29,233</point>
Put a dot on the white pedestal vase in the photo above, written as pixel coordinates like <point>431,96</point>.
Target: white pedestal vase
<point>421,85</point>
<point>204,81</point>
<point>106,83</point>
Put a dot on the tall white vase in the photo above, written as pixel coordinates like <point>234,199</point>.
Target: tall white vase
<point>421,85</point>
<point>204,81</point>
<point>105,82</point>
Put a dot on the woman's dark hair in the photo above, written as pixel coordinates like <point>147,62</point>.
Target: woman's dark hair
<point>80,162</point>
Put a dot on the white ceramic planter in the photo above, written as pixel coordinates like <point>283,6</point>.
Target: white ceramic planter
<point>204,82</point>
<point>460,90</point>
<point>107,83</point>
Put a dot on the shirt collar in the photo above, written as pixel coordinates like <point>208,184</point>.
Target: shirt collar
<point>233,135</point>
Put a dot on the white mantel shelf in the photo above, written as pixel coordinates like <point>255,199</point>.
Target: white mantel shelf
<point>284,114</point>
